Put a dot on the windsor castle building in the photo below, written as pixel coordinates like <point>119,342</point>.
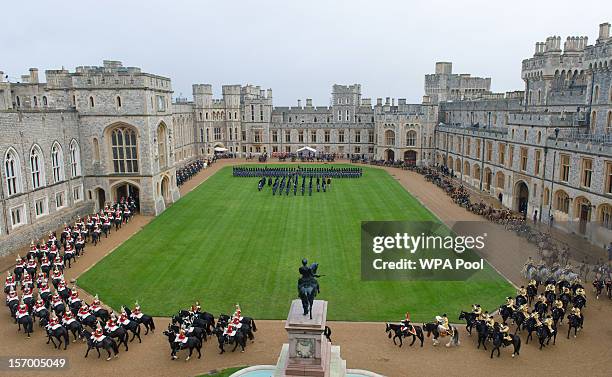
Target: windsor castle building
<point>92,136</point>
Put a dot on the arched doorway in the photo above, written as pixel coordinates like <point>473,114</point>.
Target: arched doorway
<point>165,189</point>
<point>126,189</point>
<point>161,146</point>
<point>583,210</point>
<point>100,198</point>
<point>521,193</point>
<point>410,157</point>
<point>389,155</point>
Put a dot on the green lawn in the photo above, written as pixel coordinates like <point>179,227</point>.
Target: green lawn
<point>227,243</point>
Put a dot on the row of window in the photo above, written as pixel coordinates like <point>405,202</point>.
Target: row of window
<point>18,214</point>
<point>12,167</point>
<point>35,103</point>
<point>410,138</point>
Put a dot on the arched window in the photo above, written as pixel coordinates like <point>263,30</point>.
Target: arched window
<point>35,101</point>
<point>609,122</point>
<point>411,138</point>
<point>75,159</point>
<point>562,201</point>
<point>118,102</point>
<point>593,120</point>
<point>596,94</point>
<point>57,162</point>
<point>539,136</point>
<point>37,167</point>
<point>124,150</point>
<point>17,101</point>
<point>389,137</point>
<point>161,145</point>
<point>91,102</point>
<point>45,103</point>
<point>12,172</point>
<point>546,196</point>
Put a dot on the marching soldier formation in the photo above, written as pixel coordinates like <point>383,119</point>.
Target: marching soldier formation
<point>333,172</point>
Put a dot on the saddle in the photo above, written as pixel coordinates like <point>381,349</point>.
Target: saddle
<point>409,329</point>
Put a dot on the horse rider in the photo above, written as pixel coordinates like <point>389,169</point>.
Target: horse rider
<point>111,324</point>
<point>550,288</point>
<point>9,283</point>
<point>68,318</point>
<point>488,318</point>
<point>477,311</point>
<point>524,309</point>
<point>532,283</point>
<point>230,330</point>
<point>83,312</point>
<point>406,325</point>
<point>505,330</point>
<point>510,303</point>
<point>581,292</point>
<point>123,318</point>
<point>136,313</point>
<point>567,291</point>
<point>39,305</point>
<point>536,316</point>
<point>181,337</point>
<point>443,325</point>
<point>237,311</point>
<point>98,335</point>
<point>74,296</point>
<point>576,311</point>
<point>522,291</point>
<point>54,322</point>
<point>558,304</point>
<point>96,304</point>
<point>22,310</point>
<point>548,321</point>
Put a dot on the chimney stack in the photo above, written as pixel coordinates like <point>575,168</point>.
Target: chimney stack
<point>308,102</point>
<point>299,103</point>
<point>33,75</point>
<point>604,32</point>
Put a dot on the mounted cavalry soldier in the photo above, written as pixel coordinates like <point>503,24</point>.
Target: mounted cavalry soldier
<point>96,304</point>
<point>68,317</point>
<point>83,312</point>
<point>74,296</point>
<point>443,325</point>
<point>111,324</point>
<point>22,310</point>
<point>123,318</point>
<point>510,303</point>
<point>9,283</point>
<point>488,318</point>
<point>11,297</point>
<point>137,313</point>
<point>181,337</point>
<point>477,311</point>
<point>98,335</point>
<point>576,311</point>
<point>548,322</point>
<point>407,326</point>
<point>505,330</point>
<point>54,322</point>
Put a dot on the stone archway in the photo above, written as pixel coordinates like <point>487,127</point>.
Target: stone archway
<point>100,196</point>
<point>488,179</point>
<point>165,189</point>
<point>521,195</point>
<point>389,155</point>
<point>125,189</point>
<point>410,157</point>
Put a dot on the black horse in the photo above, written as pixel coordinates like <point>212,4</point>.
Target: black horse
<point>134,328</point>
<point>308,286</point>
<point>545,335</point>
<point>239,339</point>
<point>28,324</point>
<point>197,332</point>
<point>395,330</point>
<point>107,344</point>
<point>599,285</point>
<point>120,334</point>
<point>518,317</point>
<point>102,314</point>
<point>75,328</point>
<point>557,315</point>
<point>483,333</point>
<point>470,320</point>
<point>498,341</point>
<point>579,302</point>
<point>145,320</point>
<point>60,333</point>
<point>574,322</point>
<point>532,291</point>
<point>506,312</point>
<point>191,344</point>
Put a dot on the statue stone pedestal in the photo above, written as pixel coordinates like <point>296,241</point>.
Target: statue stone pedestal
<point>308,353</point>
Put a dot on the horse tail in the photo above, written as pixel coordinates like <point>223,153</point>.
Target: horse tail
<point>66,337</point>
<point>253,325</point>
<point>152,324</point>
<point>517,344</point>
<point>455,335</point>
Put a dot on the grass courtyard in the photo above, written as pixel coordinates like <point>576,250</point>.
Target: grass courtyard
<point>226,243</point>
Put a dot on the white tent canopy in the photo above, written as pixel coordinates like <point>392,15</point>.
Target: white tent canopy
<point>220,149</point>
<point>307,149</point>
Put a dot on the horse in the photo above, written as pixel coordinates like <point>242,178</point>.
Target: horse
<point>506,312</point>
<point>557,315</point>
<point>532,291</point>
<point>75,328</point>
<point>28,324</point>
<point>530,326</point>
<point>395,330</point>
<point>544,335</point>
<point>518,317</point>
<point>60,333</point>
<point>194,331</point>
<point>191,344</point>
<point>432,328</point>
<point>41,314</point>
<point>483,333</point>
<point>541,308</point>
<point>107,344</point>
<point>470,320</point>
<point>102,314</point>
<point>145,320</point>
<point>134,328</point>
<point>239,339</point>
<point>574,322</point>
<point>498,341</point>
<point>120,334</point>
<point>579,302</point>
<point>307,295</point>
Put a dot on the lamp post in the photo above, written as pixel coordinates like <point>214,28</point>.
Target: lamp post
<point>552,181</point>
